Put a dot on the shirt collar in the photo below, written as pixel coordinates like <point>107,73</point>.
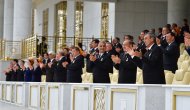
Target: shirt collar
<point>150,46</point>
<point>52,59</point>
<point>101,54</point>
<point>95,48</point>
<point>77,56</point>
<point>61,57</point>
<point>170,43</point>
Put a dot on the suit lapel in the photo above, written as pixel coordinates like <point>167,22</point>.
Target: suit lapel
<point>149,52</point>
<point>101,58</point>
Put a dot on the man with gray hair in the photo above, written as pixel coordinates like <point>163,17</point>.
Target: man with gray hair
<point>60,72</point>
<point>100,64</point>
<point>151,62</point>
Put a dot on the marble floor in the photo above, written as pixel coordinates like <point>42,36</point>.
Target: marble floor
<point>6,106</point>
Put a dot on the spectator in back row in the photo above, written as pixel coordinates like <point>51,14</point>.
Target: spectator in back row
<point>170,53</point>
<point>187,41</point>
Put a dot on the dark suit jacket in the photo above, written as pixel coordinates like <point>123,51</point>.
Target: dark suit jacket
<point>110,53</point>
<point>163,42</point>
<point>188,51</point>
<point>170,56</point>
<point>9,75</point>
<point>100,69</point>
<point>20,75</point>
<point>141,47</point>
<point>127,69</point>
<point>74,70</point>
<point>88,68</point>
<point>152,66</point>
<point>36,74</point>
<point>50,71</point>
<point>60,73</point>
<point>46,62</point>
<point>14,76</point>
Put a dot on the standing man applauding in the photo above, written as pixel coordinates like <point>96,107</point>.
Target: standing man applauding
<point>125,65</point>
<point>100,64</point>
<point>151,62</point>
<point>74,69</point>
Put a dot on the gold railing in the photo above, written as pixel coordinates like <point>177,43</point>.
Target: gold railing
<point>33,46</point>
<point>29,47</point>
<point>2,49</point>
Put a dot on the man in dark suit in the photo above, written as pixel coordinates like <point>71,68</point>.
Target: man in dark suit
<point>100,64</point>
<point>46,59</point>
<point>125,65</point>
<point>141,47</point>
<point>110,51</point>
<point>45,62</point>
<point>74,69</point>
<point>93,50</point>
<point>15,70</point>
<point>60,72</point>
<point>50,67</point>
<point>170,53</point>
<point>152,61</point>
<point>185,28</point>
<point>165,30</point>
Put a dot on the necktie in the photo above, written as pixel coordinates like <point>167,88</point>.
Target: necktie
<point>167,48</point>
<point>99,56</point>
<point>147,53</point>
<point>73,60</point>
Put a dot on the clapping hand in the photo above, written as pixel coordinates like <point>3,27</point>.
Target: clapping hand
<point>133,53</point>
<point>92,58</point>
<point>71,57</point>
<point>49,64</point>
<point>65,64</point>
<point>42,65</point>
<point>15,68</point>
<point>116,59</point>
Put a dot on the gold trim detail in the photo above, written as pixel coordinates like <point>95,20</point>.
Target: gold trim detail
<point>99,99</point>
<point>104,20</point>
<point>17,94</point>
<point>74,90</point>
<point>30,95</point>
<point>42,97</point>
<point>49,87</point>
<point>178,93</point>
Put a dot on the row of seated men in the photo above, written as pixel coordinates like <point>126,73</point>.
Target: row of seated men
<point>150,55</point>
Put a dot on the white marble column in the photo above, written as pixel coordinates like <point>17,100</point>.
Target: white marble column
<point>16,25</point>
<point>1,17</point>
<point>8,19</point>
<point>70,18</point>
<point>92,19</point>
<point>111,25</point>
<point>17,19</point>
<point>22,19</point>
<point>177,11</point>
